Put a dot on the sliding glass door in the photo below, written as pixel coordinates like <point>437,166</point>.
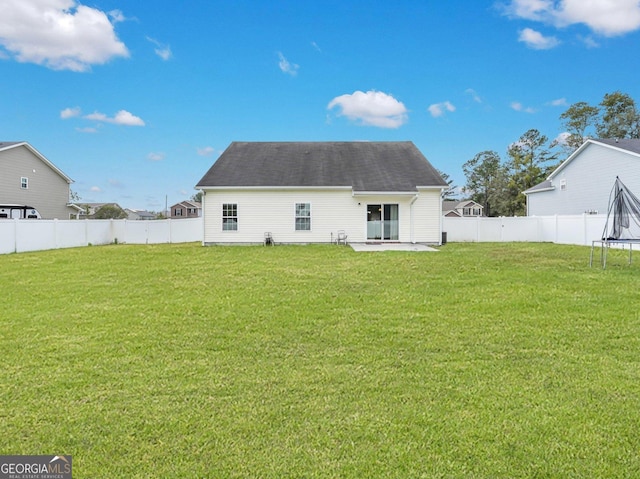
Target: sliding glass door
<point>382,222</point>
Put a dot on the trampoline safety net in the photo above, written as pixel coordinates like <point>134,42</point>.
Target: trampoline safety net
<point>623,215</point>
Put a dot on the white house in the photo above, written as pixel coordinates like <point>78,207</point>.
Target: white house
<point>583,182</point>
<point>305,192</point>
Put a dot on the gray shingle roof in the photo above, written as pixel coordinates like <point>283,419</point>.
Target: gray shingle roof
<point>629,144</point>
<point>363,166</point>
<point>545,185</point>
<point>5,144</point>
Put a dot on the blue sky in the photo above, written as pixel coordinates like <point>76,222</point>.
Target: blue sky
<point>136,100</point>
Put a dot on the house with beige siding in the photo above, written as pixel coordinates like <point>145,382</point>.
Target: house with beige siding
<point>28,178</point>
<point>185,209</point>
<point>305,192</point>
<point>583,182</point>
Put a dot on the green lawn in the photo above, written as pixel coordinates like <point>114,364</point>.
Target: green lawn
<point>480,361</point>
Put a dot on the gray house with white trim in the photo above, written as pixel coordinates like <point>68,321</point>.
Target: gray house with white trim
<point>305,192</point>
<point>583,182</point>
<point>28,178</point>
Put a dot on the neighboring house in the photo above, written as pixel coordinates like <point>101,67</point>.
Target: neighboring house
<point>583,182</point>
<point>305,192</point>
<point>139,214</point>
<point>28,178</point>
<point>459,209</point>
<point>186,209</point>
<point>88,210</point>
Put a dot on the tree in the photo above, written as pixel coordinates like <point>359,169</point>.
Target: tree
<point>530,162</point>
<point>110,211</point>
<point>197,197</point>
<point>577,120</point>
<point>74,197</point>
<point>619,117</point>
<point>486,181</point>
<point>452,190</point>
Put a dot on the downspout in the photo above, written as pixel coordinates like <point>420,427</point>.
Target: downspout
<point>411,232</point>
<point>441,217</point>
<point>204,206</point>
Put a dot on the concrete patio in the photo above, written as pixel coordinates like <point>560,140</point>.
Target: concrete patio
<point>391,247</point>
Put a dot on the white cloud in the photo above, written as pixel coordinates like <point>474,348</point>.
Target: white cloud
<point>558,102</point>
<point>70,113</point>
<point>315,45</point>
<point>605,17</point>
<point>59,34</point>
<point>286,67</point>
<point>537,40</point>
<point>96,189</point>
<point>517,106</point>
<point>206,151</point>
<point>372,108</point>
<point>155,156</point>
<point>439,109</point>
<point>529,9</point>
<point>162,50</point>
<point>115,183</point>
<point>123,117</point>
<point>87,129</point>
<point>588,41</point>
<point>562,138</point>
<point>474,95</point>
<point>116,16</point>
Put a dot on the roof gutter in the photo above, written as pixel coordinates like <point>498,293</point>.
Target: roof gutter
<point>384,193</point>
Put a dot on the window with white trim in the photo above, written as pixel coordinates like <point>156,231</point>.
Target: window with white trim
<point>229,217</point>
<point>24,183</point>
<point>303,216</point>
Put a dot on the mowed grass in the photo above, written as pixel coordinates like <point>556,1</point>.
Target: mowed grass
<point>480,360</point>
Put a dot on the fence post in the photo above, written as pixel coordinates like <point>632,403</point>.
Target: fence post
<point>15,235</point>
<point>55,233</point>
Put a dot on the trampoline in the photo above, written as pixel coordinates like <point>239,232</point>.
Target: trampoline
<point>622,227</point>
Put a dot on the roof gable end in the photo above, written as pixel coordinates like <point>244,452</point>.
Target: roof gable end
<point>7,145</point>
<point>629,146</point>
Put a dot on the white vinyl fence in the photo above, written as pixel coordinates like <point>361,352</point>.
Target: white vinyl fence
<point>18,235</point>
<point>566,229</point>
<point>32,235</point>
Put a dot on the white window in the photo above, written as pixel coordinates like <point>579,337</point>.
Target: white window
<point>303,216</point>
<point>177,212</point>
<point>24,183</point>
<point>229,217</point>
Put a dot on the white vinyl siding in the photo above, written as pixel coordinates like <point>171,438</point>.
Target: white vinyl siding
<point>270,210</point>
<point>588,180</point>
<point>46,190</point>
<point>427,215</point>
